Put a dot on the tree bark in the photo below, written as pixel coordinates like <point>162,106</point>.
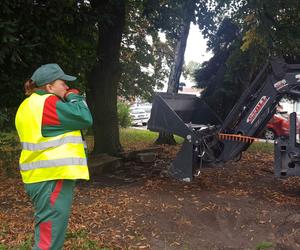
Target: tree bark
<point>176,69</point>
<point>104,77</point>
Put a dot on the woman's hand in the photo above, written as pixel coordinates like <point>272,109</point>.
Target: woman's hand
<point>69,91</point>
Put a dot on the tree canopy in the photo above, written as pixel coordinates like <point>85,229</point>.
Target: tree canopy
<point>37,32</point>
<point>241,35</point>
<point>250,33</point>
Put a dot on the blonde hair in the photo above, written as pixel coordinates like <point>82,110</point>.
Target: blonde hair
<point>30,87</point>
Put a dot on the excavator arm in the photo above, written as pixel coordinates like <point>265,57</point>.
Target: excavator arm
<point>208,140</point>
<point>258,104</point>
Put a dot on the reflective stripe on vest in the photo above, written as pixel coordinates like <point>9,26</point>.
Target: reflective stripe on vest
<point>49,144</point>
<point>53,163</point>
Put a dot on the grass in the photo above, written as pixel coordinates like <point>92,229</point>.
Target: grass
<point>264,245</point>
<point>10,148</point>
<point>9,153</point>
<point>130,138</point>
<point>78,240</point>
<point>131,135</point>
<point>127,136</point>
<point>26,245</point>
<point>262,147</point>
<point>82,237</point>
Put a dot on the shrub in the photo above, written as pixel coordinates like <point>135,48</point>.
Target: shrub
<point>9,154</point>
<point>7,119</point>
<point>123,114</point>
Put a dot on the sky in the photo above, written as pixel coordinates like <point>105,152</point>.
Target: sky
<point>195,50</point>
<point>196,46</point>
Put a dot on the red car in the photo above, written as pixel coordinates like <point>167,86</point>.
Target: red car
<point>278,126</point>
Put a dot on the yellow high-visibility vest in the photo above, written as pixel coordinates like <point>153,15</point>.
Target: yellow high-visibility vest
<point>47,158</point>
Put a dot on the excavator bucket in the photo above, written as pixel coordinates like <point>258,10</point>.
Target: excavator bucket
<point>187,116</point>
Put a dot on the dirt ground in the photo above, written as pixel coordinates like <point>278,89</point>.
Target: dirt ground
<point>136,206</point>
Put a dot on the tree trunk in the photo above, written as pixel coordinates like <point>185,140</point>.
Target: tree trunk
<point>176,69</point>
<point>104,77</point>
<point>165,138</point>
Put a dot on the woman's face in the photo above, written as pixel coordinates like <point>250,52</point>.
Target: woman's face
<point>58,87</point>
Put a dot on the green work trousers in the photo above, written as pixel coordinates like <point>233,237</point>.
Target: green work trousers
<point>52,201</point>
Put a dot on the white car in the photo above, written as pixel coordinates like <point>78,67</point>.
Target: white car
<point>146,106</point>
<point>138,116</point>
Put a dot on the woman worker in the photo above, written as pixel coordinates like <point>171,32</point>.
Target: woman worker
<point>49,124</point>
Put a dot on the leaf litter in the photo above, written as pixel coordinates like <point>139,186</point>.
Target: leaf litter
<point>236,206</point>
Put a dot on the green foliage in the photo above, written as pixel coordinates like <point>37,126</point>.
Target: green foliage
<point>82,233</point>
<point>145,58</point>
<point>85,242</point>
<point>220,79</point>
<point>131,136</point>
<point>264,245</point>
<point>123,114</point>
<point>262,147</point>
<point>174,18</point>
<point>250,33</point>
<point>9,154</point>
<point>140,56</point>
<point>26,245</point>
<point>165,15</point>
<point>190,69</point>
<point>273,25</point>
<point>79,240</point>
<point>7,119</point>
<point>37,32</point>
<point>3,119</point>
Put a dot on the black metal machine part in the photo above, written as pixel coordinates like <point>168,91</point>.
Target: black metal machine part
<point>287,152</point>
<point>190,117</point>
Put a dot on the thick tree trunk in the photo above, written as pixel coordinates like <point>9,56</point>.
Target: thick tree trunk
<point>176,69</point>
<point>104,77</point>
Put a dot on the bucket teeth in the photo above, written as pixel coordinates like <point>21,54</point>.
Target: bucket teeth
<point>236,137</point>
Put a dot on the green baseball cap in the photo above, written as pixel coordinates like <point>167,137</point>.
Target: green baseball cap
<point>48,73</point>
